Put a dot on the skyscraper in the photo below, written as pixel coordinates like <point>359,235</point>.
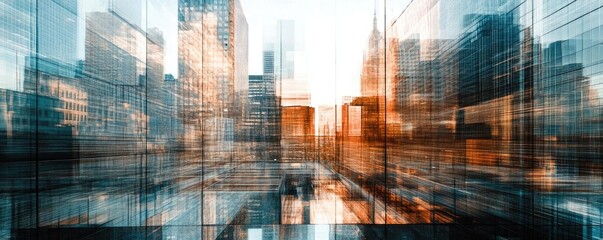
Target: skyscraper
<point>214,74</point>
<point>262,122</point>
<point>372,86</point>
<point>297,133</point>
<point>115,70</point>
<point>241,83</point>
<point>56,34</point>
<point>373,67</point>
<point>286,40</point>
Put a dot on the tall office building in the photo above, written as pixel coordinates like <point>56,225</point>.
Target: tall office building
<point>297,133</point>
<point>153,84</point>
<point>51,70</point>
<point>42,66</point>
<point>372,86</point>
<point>17,42</point>
<point>213,74</point>
<point>286,40</point>
<point>241,68</point>
<point>56,35</point>
<point>263,115</point>
<point>492,86</point>
<point>574,105</point>
<point>371,83</point>
<point>114,70</point>
<point>225,27</point>
<point>49,50</point>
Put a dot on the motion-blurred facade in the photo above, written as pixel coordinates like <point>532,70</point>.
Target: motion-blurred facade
<point>475,119</point>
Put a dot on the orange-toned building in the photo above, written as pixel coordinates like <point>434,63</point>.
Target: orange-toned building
<point>297,133</point>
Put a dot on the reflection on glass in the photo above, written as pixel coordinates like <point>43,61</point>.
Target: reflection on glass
<point>228,119</point>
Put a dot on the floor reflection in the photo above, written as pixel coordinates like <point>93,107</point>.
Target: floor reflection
<point>288,193</point>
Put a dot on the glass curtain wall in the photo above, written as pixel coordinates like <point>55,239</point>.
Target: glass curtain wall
<point>340,119</point>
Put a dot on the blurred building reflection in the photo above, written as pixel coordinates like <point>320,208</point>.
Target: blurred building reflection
<point>474,119</point>
<point>297,133</point>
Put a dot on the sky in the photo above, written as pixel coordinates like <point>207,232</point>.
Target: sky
<point>335,36</point>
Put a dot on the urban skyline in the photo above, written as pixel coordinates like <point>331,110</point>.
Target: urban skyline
<point>225,119</point>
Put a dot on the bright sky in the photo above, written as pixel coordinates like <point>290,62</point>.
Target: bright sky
<point>335,36</point>
<point>335,32</point>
